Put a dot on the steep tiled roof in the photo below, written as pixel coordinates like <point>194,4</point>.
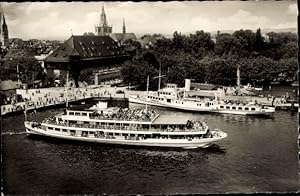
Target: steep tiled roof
<point>86,47</point>
<point>122,36</point>
<point>18,53</point>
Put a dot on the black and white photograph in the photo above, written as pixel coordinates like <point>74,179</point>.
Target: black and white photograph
<point>149,97</point>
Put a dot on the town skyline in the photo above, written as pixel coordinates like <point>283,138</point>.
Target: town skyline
<point>43,20</point>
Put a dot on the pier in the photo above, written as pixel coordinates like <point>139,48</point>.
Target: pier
<point>37,99</point>
<point>44,98</point>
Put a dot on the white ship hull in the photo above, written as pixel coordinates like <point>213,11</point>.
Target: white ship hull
<point>201,109</point>
<point>171,105</point>
<point>174,143</point>
<point>243,112</point>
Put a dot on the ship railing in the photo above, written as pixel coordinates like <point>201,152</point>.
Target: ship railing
<point>122,119</point>
<point>125,114</point>
<point>129,128</point>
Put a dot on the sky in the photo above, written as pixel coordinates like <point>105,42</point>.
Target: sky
<point>59,20</point>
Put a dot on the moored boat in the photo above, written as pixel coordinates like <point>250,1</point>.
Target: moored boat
<point>173,97</point>
<point>126,127</point>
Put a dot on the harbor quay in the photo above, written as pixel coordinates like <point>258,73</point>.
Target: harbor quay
<point>45,97</point>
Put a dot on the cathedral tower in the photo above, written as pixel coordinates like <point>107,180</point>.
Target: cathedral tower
<point>102,28</point>
<point>3,30</point>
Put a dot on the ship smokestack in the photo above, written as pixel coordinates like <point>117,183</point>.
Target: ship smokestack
<point>187,84</point>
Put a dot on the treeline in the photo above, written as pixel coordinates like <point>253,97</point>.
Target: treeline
<point>23,61</point>
<point>199,57</point>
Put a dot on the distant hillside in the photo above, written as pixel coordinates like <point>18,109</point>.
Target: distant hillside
<point>292,30</point>
<point>266,30</point>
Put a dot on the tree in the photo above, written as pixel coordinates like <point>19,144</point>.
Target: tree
<point>259,43</point>
<point>29,69</point>
<point>281,45</point>
<point>244,42</point>
<point>225,44</point>
<point>136,72</point>
<point>200,44</point>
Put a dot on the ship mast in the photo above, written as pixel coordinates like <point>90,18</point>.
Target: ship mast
<point>159,77</point>
<point>67,88</point>
<point>147,92</point>
<point>25,112</point>
<point>238,82</point>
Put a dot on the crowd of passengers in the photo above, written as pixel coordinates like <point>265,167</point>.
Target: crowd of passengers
<point>190,126</point>
<point>238,102</point>
<point>128,115</point>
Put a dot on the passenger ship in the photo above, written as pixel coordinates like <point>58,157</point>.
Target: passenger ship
<point>173,97</point>
<point>125,126</point>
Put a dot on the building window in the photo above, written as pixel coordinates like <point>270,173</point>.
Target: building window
<point>246,108</point>
<point>84,114</point>
<point>50,128</point>
<point>71,113</point>
<point>233,108</point>
<point>221,106</point>
<point>227,107</point>
<point>240,108</point>
<point>253,109</point>
<point>57,129</point>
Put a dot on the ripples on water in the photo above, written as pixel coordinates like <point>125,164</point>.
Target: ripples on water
<point>259,155</point>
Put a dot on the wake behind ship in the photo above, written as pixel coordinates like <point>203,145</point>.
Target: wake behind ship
<point>139,127</point>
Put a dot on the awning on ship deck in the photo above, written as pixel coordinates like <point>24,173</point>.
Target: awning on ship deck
<point>171,119</point>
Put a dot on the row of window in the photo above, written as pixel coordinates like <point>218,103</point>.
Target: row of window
<point>57,129</point>
<point>239,108</point>
<point>157,98</point>
<point>165,93</point>
<point>121,134</point>
<point>79,113</point>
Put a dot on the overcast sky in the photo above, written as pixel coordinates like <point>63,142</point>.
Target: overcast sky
<point>46,20</point>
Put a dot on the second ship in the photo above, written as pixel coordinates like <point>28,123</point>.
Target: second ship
<point>174,97</point>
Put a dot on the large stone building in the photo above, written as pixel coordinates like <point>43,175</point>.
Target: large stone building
<point>4,40</point>
<point>99,54</point>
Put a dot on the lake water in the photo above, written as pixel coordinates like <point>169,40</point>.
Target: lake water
<point>259,155</point>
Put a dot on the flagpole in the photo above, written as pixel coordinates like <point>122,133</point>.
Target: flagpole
<point>159,76</point>
<point>25,112</point>
<point>67,88</point>
<point>147,92</point>
<point>18,76</point>
<point>238,76</point>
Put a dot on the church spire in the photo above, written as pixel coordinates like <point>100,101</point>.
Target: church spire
<point>124,27</point>
<point>102,28</point>
<point>4,22</point>
<point>3,30</point>
<point>103,21</point>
